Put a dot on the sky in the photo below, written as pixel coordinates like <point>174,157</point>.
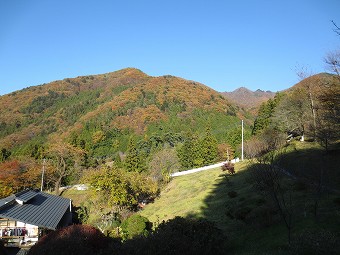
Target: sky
<point>220,43</point>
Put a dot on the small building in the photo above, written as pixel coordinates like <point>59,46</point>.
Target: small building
<point>27,215</point>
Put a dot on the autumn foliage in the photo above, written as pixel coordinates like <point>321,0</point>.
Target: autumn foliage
<point>76,239</point>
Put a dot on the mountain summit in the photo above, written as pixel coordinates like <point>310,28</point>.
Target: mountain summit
<point>247,99</point>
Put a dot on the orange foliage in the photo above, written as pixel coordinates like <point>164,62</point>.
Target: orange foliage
<point>140,118</point>
<point>9,173</point>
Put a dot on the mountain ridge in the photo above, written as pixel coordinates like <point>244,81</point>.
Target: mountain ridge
<point>118,104</point>
<point>248,99</point>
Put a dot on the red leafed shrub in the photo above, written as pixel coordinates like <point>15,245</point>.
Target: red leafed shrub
<point>229,167</point>
<point>75,239</point>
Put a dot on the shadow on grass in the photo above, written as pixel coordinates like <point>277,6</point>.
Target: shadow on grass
<point>251,220</point>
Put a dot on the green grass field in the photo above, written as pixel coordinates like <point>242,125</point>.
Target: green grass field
<point>186,196</point>
<point>248,217</point>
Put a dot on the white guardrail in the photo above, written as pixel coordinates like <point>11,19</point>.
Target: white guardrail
<point>202,168</point>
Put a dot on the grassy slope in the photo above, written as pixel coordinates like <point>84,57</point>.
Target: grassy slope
<point>185,196</point>
<point>205,194</point>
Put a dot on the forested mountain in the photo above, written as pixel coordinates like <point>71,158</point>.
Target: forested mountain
<point>96,118</point>
<point>247,99</point>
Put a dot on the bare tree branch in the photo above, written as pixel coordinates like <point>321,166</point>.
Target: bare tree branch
<point>336,29</point>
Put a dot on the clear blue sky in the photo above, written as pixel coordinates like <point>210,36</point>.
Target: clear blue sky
<point>223,44</point>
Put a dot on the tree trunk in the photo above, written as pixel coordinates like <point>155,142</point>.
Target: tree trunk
<point>313,111</point>
<point>57,186</point>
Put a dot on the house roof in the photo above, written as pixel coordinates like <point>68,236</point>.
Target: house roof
<point>25,196</point>
<point>37,208</point>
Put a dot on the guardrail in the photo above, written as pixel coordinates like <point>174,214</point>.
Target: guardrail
<point>195,170</point>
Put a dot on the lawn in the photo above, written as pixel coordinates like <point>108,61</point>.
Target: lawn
<point>201,194</point>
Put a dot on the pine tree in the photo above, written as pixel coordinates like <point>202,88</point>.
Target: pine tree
<point>133,161</point>
<point>266,111</point>
<point>208,148</point>
<point>190,154</point>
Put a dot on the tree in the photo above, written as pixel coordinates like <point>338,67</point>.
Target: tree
<point>328,114</point>
<point>260,145</point>
<point>9,177</point>
<point>133,160</point>
<point>336,29</point>
<point>121,189</point>
<point>63,158</point>
<point>163,163</point>
<point>266,111</point>
<point>186,153</point>
<point>209,148</point>
<point>224,152</point>
<point>303,74</point>
<point>332,61</point>
<point>328,109</point>
<point>293,114</point>
<point>268,179</point>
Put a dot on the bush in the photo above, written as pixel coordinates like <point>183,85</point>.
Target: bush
<point>229,167</point>
<point>75,239</point>
<point>135,225</point>
<point>180,236</point>
<point>262,216</point>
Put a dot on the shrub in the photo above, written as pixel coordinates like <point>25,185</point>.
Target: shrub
<point>135,225</point>
<point>75,239</point>
<point>180,236</point>
<point>229,167</point>
<point>262,216</point>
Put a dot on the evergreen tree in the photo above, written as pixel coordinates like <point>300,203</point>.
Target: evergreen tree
<point>197,153</point>
<point>187,153</point>
<point>133,161</point>
<point>266,111</point>
<point>209,148</point>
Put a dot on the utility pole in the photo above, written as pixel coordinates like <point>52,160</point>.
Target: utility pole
<point>42,175</point>
<point>242,143</point>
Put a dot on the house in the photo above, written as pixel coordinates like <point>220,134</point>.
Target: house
<point>27,215</point>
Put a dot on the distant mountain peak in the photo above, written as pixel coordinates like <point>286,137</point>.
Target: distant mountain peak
<point>247,98</point>
<point>241,89</point>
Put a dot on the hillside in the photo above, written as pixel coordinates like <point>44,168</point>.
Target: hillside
<point>248,216</point>
<point>120,103</point>
<point>247,99</point>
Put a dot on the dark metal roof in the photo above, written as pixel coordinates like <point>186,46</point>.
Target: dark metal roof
<point>25,195</point>
<point>6,200</point>
<point>43,210</point>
